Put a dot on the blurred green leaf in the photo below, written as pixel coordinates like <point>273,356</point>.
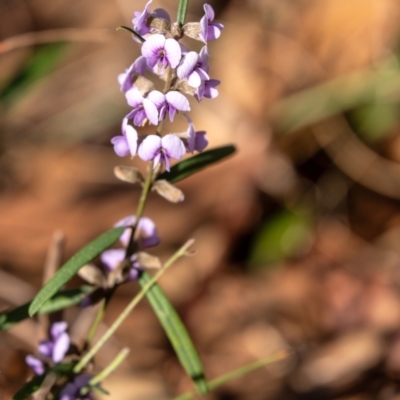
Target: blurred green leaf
<point>30,387</point>
<point>177,333</point>
<point>182,11</point>
<point>72,266</point>
<point>280,237</point>
<point>41,62</point>
<point>198,162</point>
<point>61,300</point>
<point>374,121</point>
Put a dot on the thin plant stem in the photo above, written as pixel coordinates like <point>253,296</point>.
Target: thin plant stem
<point>133,303</point>
<point>111,367</point>
<point>96,322</point>
<point>236,374</point>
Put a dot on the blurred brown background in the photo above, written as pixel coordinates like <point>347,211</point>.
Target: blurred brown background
<point>297,235</point>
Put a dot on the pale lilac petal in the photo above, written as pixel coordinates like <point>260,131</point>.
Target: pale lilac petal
<point>172,52</point>
<point>46,348</point>
<point>134,97</point>
<point>150,147</point>
<point>157,159</point>
<point>209,88</point>
<point>187,65</point>
<point>57,329</point>
<point>190,134</point>
<point>151,111</point>
<point>203,29</point>
<point>133,274</point>
<point>139,22</point>
<point>112,258</point>
<point>178,100</point>
<point>157,98</point>
<point>127,221</point>
<point>152,45</point>
<point>194,79</point>
<point>173,146</point>
<point>121,146</point>
<point>214,31</point>
<point>71,390</point>
<point>35,364</point>
<point>131,139</point>
<point>209,12</point>
<point>61,347</point>
<point>148,233</point>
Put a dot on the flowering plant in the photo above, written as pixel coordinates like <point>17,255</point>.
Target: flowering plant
<point>63,369</point>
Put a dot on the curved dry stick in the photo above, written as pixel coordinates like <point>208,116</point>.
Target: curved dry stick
<point>356,160</point>
<point>54,35</point>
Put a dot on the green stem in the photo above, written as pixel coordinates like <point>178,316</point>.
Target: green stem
<point>110,368</point>
<point>121,318</point>
<point>236,374</point>
<point>96,322</point>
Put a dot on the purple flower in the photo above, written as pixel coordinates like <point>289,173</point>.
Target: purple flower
<point>146,231</point>
<point>161,53</point>
<point>54,348</point>
<point>140,20</point>
<point>127,78</point>
<point>112,259</point>
<point>194,67</point>
<point>127,142</point>
<point>209,30</point>
<point>169,103</point>
<point>196,141</point>
<point>71,390</point>
<point>207,89</point>
<point>143,108</point>
<point>161,149</point>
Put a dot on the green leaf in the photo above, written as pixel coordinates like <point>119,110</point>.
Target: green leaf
<point>176,333</point>
<point>30,387</point>
<point>41,63</point>
<point>59,301</point>
<point>198,162</point>
<point>182,11</point>
<point>72,266</point>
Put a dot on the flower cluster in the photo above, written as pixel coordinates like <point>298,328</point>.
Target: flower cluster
<point>146,237</point>
<point>51,350</point>
<point>184,72</point>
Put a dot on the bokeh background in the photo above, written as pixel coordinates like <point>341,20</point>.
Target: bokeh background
<point>297,235</point>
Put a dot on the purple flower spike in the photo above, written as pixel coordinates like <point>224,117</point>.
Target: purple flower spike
<point>161,53</point>
<point>140,19</point>
<point>71,390</point>
<point>194,67</point>
<point>196,141</point>
<point>161,149</point>
<point>207,89</point>
<point>147,231</point>
<point>35,364</point>
<point>143,108</point>
<point>209,30</point>
<point>127,78</point>
<point>127,142</point>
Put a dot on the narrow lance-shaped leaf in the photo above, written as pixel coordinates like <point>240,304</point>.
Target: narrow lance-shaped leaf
<point>71,267</point>
<point>30,387</point>
<point>182,11</point>
<point>198,162</point>
<point>176,333</point>
<point>59,301</point>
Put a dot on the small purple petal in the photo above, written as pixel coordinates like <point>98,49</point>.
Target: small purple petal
<point>35,364</point>
<point>173,146</point>
<point>178,100</point>
<point>187,65</point>
<point>121,146</point>
<point>152,46</point>
<point>148,233</point>
<point>173,52</point>
<point>131,139</point>
<point>139,22</point>
<point>149,147</point>
<point>157,98</point>
<point>151,111</point>
<point>57,329</point>
<point>161,13</point>
<point>134,97</point>
<point>201,142</point>
<point>61,347</point>
<point>112,258</point>
<point>71,390</point>
<point>46,348</point>
<point>209,12</point>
